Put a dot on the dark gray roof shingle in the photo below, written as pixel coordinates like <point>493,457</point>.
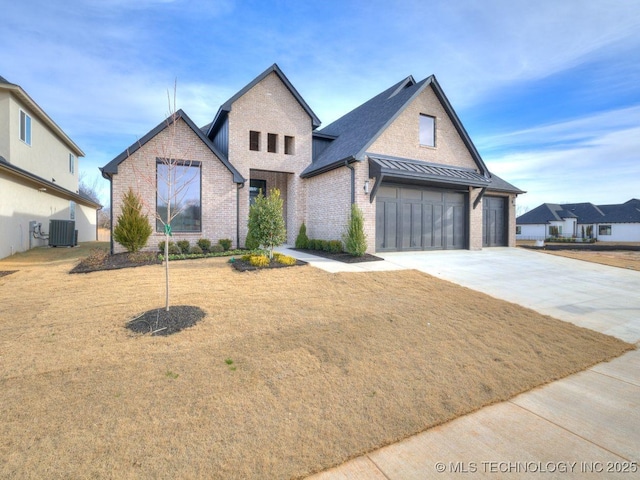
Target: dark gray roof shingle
<point>628,212</point>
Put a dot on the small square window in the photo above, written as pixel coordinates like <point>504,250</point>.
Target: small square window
<point>604,230</point>
<point>427,130</point>
<point>289,145</point>
<point>25,128</point>
<point>254,141</point>
<point>272,142</point>
<point>518,230</point>
<point>72,163</point>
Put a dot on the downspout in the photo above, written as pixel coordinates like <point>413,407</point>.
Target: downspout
<point>240,185</point>
<point>111,213</point>
<point>353,181</point>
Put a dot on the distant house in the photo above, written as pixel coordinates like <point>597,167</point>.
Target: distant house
<point>403,157</point>
<point>613,223</point>
<point>38,175</point>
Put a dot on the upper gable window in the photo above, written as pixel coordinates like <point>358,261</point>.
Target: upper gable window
<point>427,130</point>
<point>72,163</point>
<point>25,128</point>
<point>289,145</point>
<point>272,142</point>
<point>254,141</point>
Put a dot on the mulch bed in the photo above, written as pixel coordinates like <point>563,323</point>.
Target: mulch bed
<point>160,322</point>
<point>115,262</point>
<point>7,272</point>
<point>243,266</point>
<point>340,257</point>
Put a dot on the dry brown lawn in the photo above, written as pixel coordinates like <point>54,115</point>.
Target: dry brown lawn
<point>292,370</point>
<point>621,259</point>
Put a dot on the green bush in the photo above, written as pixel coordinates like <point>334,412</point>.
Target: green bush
<point>226,243</point>
<point>251,242</point>
<point>132,229</point>
<point>217,248</point>
<point>355,240</point>
<point>161,246</point>
<point>204,244</point>
<point>266,224</point>
<point>311,244</point>
<point>335,246</point>
<point>302,240</point>
<point>174,249</point>
<point>196,250</point>
<point>183,245</point>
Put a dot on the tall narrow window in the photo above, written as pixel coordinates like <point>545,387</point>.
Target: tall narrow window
<point>272,142</point>
<point>289,145</point>
<point>72,163</point>
<point>427,131</point>
<point>254,140</point>
<point>178,187</point>
<point>72,210</point>
<point>25,128</point>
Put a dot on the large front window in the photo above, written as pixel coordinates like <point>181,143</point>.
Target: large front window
<point>178,198</point>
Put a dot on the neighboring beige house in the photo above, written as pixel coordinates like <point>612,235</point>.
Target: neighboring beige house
<point>403,157</point>
<point>38,175</point>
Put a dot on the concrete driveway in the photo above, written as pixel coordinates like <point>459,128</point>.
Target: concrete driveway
<point>584,426</point>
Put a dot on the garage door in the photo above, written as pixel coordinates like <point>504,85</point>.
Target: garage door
<point>419,219</point>
<point>494,221</point>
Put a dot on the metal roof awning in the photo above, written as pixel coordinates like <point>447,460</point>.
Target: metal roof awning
<point>423,173</point>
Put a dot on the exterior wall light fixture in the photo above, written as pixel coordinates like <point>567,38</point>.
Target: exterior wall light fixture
<point>366,186</point>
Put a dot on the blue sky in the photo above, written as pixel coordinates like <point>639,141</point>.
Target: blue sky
<point>549,91</point>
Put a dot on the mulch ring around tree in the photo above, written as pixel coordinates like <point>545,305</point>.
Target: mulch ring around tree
<point>341,257</point>
<point>245,266</point>
<point>160,322</point>
<point>7,272</point>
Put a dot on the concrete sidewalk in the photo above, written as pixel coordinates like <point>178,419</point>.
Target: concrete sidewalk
<point>584,426</point>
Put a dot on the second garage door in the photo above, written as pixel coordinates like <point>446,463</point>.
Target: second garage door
<point>410,218</point>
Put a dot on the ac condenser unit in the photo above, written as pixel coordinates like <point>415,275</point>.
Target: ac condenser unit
<point>62,233</point>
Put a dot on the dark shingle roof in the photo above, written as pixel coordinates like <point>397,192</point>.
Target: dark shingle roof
<point>499,185</point>
<point>628,212</point>
<point>111,168</point>
<point>358,129</point>
<point>4,80</point>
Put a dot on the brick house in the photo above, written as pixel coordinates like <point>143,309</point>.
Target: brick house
<point>403,157</point>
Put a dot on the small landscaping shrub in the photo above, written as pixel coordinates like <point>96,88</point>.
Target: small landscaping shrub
<point>335,246</point>
<point>355,240</point>
<point>311,244</point>
<point>259,260</point>
<point>284,259</point>
<point>174,249</point>
<point>196,250</point>
<point>132,229</point>
<point>142,257</point>
<point>161,246</point>
<point>204,244</point>
<point>321,245</point>
<point>251,242</point>
<point>96,258</point>
<point>226,243</point>
<point>183,245</point>
<point>217,248</point>
<point>302,240</point>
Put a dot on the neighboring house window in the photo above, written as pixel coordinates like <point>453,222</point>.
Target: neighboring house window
<point>254,141</point>
<point>25,128</point>
<point>518,230</point>
<point>604,230</point>
<point>72,210</point>
<point>427,130</point>
<point>272,142</point>
<point>72,163</point>
<point>184,182</point>
<point>289,145</point>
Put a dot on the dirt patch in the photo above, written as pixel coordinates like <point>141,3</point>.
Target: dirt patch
<point>290,372</point>
<point>7,272</point>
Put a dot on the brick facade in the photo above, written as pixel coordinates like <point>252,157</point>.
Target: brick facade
<point>218,191</point>
<point>323,201</point>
